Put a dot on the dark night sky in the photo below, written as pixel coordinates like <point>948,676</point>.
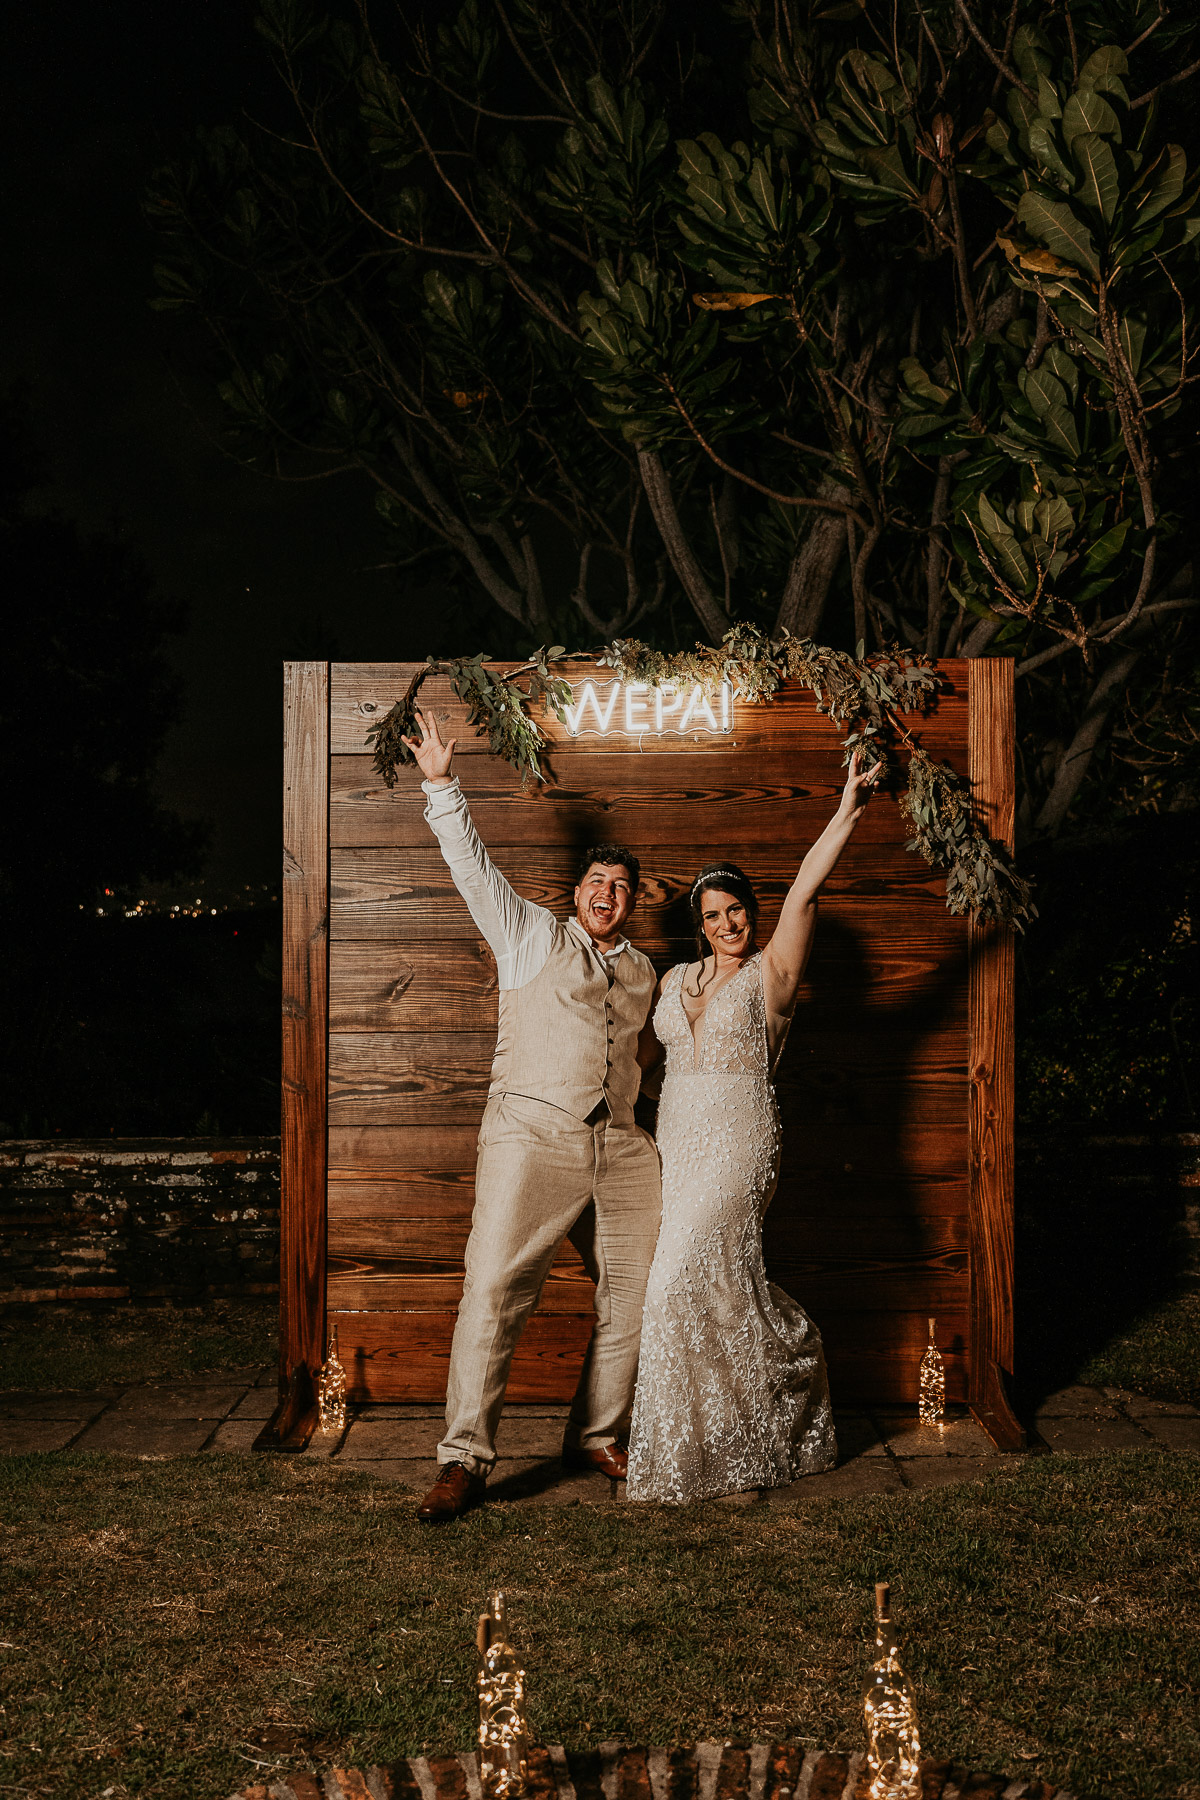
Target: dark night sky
<point>99,96</point>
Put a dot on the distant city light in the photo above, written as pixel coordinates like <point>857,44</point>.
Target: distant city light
<point>246,898</point>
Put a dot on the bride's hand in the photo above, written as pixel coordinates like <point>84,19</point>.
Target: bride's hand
<point>860,785</point>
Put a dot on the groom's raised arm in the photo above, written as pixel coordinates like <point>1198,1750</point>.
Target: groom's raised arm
<point>517,930</point>
<point>514,927</point>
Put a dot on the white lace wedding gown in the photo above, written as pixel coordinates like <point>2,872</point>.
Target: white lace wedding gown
<point>731,1392</point>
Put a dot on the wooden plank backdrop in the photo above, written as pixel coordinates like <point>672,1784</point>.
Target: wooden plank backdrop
<point>894,1202</point>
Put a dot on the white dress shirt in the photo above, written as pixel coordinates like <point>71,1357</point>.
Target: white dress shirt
<point>519,933</point>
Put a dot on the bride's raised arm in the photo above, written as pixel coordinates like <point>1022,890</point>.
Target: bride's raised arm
<point>786,955</point>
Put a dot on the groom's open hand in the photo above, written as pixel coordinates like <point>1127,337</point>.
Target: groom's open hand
<point>433,758</point>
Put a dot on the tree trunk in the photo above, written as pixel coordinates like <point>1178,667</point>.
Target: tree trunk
<point>980,638</point>
<point>657,483</point>
<point>1071,770</point>
<point>935,553</point>
<point>813,567</point>
<point>460,536</point>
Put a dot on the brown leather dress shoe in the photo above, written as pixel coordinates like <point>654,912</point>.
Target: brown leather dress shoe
<point>454,1492</point>
<point>608,1459</point>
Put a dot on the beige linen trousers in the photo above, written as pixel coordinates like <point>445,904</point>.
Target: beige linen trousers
<point>559,1156</point>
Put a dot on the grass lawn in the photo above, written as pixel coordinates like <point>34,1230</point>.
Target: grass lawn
<point>1159,1354</point>
<point>57,1347</point>
<point>162,1619</point>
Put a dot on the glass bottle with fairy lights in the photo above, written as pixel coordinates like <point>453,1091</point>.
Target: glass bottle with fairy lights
<point>890,1714</point>
<point>503,1730</point>
<point>931,1401</point>
<point>331,1388</point>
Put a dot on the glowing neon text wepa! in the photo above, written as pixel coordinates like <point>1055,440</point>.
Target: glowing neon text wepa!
<point>634,708</point>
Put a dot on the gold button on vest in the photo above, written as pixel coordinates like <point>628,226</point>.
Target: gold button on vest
<point>569,1037</point>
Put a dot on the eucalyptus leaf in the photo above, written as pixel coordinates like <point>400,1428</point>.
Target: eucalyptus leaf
<point>440,293</point>
<point>917,425</point>
<point>1132,334</point>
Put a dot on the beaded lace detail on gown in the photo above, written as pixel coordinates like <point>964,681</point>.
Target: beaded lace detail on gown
<point>732,1392</point>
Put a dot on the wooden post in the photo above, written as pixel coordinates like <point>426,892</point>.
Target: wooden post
<point>305,1054</point>
<point>991,1100</point>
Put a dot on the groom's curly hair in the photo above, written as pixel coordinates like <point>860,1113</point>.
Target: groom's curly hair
<point>612,856</point>
<point>724,878</point>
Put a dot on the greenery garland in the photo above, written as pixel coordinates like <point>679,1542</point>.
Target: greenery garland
<point>496,705</point>
<point>867,693</point>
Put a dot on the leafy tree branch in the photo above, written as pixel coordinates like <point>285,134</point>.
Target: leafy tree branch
<point>875,321</point>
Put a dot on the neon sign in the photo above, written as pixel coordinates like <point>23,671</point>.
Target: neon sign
<point>635,709</point>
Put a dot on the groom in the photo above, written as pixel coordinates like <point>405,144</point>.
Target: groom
<point>557,1140</point>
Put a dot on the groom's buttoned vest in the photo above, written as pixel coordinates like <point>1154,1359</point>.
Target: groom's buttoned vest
<point>569,1036</point>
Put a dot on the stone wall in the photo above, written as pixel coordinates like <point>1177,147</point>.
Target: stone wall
<point>180,1218</point>
<point>138,1219</point>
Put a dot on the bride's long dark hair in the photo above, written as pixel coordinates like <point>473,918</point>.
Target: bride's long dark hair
<point>723,878</point>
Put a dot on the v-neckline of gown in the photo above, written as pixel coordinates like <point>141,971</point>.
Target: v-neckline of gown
<point>699,1043</point>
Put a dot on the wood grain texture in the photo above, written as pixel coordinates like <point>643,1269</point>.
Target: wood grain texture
<point>800,781</point>
<point>407,894</point>
<point>434,1194</point>
<point>873,1356</point>
<point>406,1355</point>
<point>933,1286</point>
<point>862,1167</point>
<point>410,1078</point>
<point>992,750</point>
<point>762,801</point>
<point>876,1356</point>
<point>305,1042</point>
<point>795,1238</point>
<point>386,1283</point>
<point>383,986</point>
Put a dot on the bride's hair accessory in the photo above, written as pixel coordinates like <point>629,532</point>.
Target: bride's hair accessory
<point>730,880</point>
<point>711,877</point>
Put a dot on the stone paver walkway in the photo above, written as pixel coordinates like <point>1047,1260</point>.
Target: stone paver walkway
<point>882,1450</point>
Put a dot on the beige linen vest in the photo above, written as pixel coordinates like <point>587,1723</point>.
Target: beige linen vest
<point>569,1037</point>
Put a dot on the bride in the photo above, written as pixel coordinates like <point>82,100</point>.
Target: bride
<point>731,1392</point>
